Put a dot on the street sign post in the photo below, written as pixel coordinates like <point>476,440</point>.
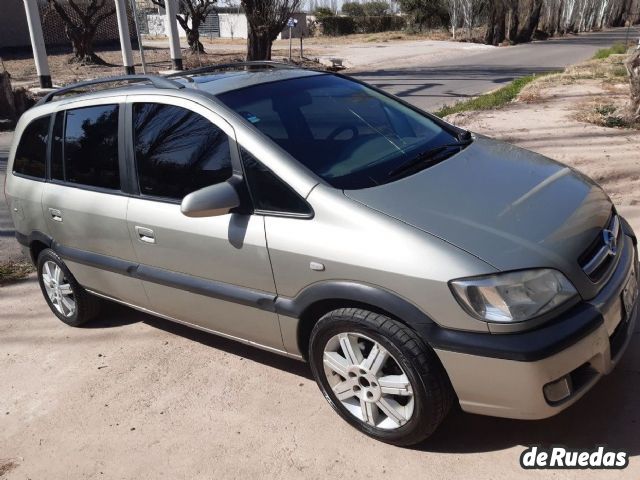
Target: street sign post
<point>292,22</point>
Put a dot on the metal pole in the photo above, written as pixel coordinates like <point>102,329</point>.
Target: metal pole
<point>125,39</point>
<point>290,43</point>
<point>301,55</point>
<point>37,43</point>
<point>174,38</point>
<point>143,62</point>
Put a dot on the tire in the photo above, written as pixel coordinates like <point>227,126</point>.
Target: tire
<point>86,306</point>
<point>423,395</point>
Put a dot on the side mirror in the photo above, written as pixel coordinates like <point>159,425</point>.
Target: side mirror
<point>211,201</point>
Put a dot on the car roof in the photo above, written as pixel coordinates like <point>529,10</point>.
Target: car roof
<point>214,82</point>
<point>220,82</point>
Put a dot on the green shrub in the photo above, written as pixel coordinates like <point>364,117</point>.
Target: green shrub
<point>323,12</point>
<point>617,49</point>
<point>385,23</point>
<point>376,8</point>
<point>335,26</point>
<point>353,9</point>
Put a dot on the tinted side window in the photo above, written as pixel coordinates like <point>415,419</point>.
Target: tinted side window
<point>31,155</point>
<point>91,146</point>
<point>268,192</point>
<point>177,151</point>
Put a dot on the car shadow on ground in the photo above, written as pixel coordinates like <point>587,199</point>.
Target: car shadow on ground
<point>607,415</point>
<point>115,315</point>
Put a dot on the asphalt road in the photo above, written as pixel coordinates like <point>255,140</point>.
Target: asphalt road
<point>449,81</point>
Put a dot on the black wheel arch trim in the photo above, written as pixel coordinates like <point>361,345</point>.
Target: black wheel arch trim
<point>35,236</point>
<point>350,291</point>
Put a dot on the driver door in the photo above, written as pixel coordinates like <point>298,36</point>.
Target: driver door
<point>210,272</point>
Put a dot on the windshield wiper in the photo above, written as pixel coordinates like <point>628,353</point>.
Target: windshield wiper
<point>423,159</point>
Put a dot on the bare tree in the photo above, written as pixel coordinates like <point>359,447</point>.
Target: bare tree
<point>454,7</point>
<point>529,13</point>
<point>633,67</point>
<point>471,10</point>
<point>191,15</point>
<point>265,21</point>
<point>496,23</point>
<point>81,20</point>
<point>518,20</point>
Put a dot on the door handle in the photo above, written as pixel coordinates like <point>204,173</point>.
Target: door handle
<point>145,235</point>
<point>56,214</point>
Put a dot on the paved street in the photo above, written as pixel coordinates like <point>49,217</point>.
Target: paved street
<point>448,81</point>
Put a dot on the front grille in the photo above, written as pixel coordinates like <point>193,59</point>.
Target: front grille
<point>600,255</point>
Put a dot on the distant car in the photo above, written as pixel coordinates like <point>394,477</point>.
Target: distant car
<point>412,264</point>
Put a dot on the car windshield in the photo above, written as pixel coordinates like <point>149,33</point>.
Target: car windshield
<point>346,133</point>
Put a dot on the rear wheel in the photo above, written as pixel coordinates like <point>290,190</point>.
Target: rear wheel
<point>379,375</point>
<point>65,296</point>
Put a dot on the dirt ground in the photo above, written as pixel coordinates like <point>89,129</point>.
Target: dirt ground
<point>135,397</point>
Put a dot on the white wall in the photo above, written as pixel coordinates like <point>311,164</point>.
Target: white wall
<point>233,25</point>
<point>157,24</point>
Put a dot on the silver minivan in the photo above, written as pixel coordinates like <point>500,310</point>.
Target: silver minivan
<point>413,264</point>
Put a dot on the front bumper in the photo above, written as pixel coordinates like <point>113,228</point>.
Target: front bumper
<point>504,375</point>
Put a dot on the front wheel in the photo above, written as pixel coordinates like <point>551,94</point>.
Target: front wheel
<point>379,376</point>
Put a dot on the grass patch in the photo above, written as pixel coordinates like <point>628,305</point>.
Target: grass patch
<point>14,271</point>
<point>609,113</point>
<point>489,101</point>
<point>617,49</point>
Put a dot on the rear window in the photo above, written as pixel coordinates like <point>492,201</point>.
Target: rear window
<point>345,132</point>
<point>31,154</point>
<point>89,147</point>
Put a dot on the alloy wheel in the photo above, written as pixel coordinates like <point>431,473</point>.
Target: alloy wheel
<point>58,289</point>
<point>368,381</point>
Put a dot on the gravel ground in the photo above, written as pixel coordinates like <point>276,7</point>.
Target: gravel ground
<point>135,397</point>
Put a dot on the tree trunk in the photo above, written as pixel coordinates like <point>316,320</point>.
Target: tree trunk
<point>529,26</point>
<point>514,22</point>
<point>193,32</point>
<point>633,67</point>
<point>258,44</point>
<point>7,101</point>
<point>496,23</point>
<point>82,43</point>
<point>193,37</point>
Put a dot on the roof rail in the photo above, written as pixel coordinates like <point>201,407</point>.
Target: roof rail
<point>156,81</point>
<point>224,66</point>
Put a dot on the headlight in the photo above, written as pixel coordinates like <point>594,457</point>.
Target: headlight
<point>513,296</point>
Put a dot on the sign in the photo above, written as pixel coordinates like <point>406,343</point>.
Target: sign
<point>292,22</point>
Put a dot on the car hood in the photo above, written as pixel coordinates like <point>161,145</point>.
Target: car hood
<point>510,207</point>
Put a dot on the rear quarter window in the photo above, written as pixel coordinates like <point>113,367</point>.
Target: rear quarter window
<point>31,154</point>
